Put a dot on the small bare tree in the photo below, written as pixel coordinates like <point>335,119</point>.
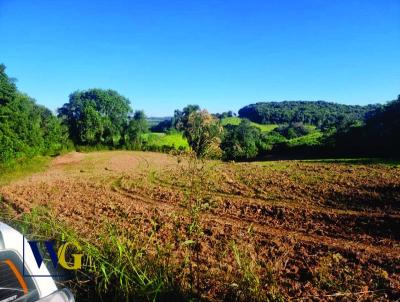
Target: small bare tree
<point>203,133</point>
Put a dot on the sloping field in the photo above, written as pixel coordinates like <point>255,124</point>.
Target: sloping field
<point>277,230</point>
<point>236,121</point>
<point>176,140</point>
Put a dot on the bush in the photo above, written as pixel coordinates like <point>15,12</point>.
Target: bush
<point>293,130</point>
<point>241,142</point>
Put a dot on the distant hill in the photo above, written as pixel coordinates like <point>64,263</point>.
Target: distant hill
<point>319,113</point>
<point>152,120</point>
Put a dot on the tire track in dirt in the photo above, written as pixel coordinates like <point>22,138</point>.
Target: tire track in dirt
<point>263,229</point>
<point>285,204</point>
<point>123,188</point>
<point>322,221</point>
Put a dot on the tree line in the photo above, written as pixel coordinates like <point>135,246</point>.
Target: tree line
<point>98,118</point>
<point>26,128</point>
<point>320,113</point>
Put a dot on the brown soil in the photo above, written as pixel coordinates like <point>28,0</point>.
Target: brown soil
<point>70,158</point>
<point>313,231</point>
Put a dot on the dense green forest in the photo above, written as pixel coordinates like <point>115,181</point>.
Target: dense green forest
<point>26,129</point>
<point>97,118</point>
<point>321,114</point>
<point>379,136</point>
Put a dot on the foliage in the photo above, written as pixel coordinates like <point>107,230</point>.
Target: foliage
<point>203,133</point>
<point>272,138</point>
<point>245,142</point>
<point>321,114</point>
<point>293,130</point>
<point>136,126</point>
<point>181,118</point>
<point>310,139</point>
<point>22,168</point>
<point>26,129</point>
<point>7,86</point>
<point>237,120</point>
<point>96,116</point>
<point>242,141</point>
<point>227,114</point>
<point>380,136</point>
<point>101,119</point>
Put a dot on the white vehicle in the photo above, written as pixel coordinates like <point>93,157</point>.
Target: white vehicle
<point>13,285</point>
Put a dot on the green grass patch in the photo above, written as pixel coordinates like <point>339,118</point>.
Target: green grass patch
<point>310,139</point>
<point>236,121</point>
<point>159,140</point>
<point>22,168</point>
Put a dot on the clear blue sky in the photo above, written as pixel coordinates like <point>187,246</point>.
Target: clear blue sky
<point>221,54</point>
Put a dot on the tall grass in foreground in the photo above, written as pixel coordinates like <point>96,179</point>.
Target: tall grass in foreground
<point>120,264</point>
<point>22,167</point>
<point>155,258</point>
<point>116,267</point>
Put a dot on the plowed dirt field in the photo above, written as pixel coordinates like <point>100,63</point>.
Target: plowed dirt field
<point>306,230</point>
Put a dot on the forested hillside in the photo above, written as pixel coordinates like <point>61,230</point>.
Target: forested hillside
<point>321,114</point>
<point>380,136</point>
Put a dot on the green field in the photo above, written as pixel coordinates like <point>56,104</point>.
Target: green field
<point>237,120</point>
<point>309,139</point>
<point>177,140</point>
<point>155,139</point>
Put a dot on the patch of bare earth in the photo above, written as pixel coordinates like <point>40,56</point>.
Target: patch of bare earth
<point>310,231</point>
<point>73,157</point>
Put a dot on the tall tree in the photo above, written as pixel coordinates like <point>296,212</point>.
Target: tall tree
<point>96,116</point>
<point>8,89</point>
<point>181,118</point>
<point>241,141</point>
<point>26,129</point>
<point>136,126</point>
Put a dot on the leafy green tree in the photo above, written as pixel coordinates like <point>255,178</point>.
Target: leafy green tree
<point>181,118</point>
<point>55,134</point>
<point>380,136</point>
<point>26,129</point>
<point>224,114</point>
<point>141,121</point>
<point>292,130</point>
<point>134,130</point>
<point>96,116</point>
<point>241,141</point>
<point>8,89</point>
<point>91,126</point>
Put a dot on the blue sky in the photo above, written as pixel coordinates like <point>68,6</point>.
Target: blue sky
<point>221,54</point>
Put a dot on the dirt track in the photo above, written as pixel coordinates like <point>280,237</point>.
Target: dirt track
<point>300,214</point>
